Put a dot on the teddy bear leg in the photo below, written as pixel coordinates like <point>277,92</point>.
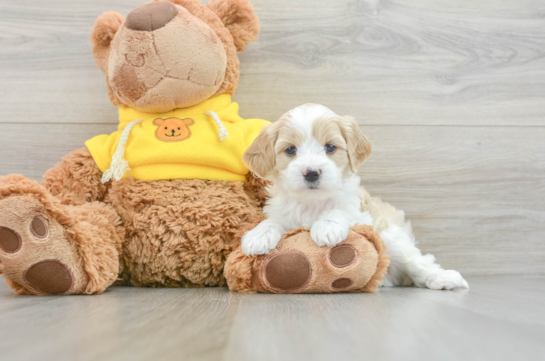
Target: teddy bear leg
<point>47,247</point>
<point>299,265</point>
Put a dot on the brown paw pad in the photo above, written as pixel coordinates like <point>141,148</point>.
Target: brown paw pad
<point>10,241</point>
<point>342,283</point>
<point>38,227</point>
<point>50,277</point>
<point>342,256</point>
<point>288,271</point>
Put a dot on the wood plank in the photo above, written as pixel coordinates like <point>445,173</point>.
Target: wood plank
<point>391,62</point>
<point>393,324</point>
<point>180,324</point>
<point>31,149</point>
<point>213,324</point>
<point>476,195</point>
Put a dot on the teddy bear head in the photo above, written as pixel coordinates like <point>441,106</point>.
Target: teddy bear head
<point>173,54</point>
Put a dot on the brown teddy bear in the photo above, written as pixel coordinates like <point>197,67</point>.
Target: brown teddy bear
<point>173,218</point>
<point>164,200</point>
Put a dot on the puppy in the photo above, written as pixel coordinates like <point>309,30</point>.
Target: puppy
<point>311,157</point>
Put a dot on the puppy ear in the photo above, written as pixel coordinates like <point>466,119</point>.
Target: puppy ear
<point>158,121</point>
<point>104,30</point>
<point>358,147</point>
<point>239,18</point>
<point>260,157</point>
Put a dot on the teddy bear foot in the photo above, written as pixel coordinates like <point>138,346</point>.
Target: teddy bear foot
<point>36,253</point>
<point>299,265</point>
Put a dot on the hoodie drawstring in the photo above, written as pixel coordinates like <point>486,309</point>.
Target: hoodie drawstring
<point>222,132</point>
<point>119,165</point>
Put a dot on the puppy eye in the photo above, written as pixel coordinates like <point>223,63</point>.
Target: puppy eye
<point>330,148</point>
<point>291,151</point>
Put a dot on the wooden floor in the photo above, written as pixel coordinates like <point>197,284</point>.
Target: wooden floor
<point>500,318</point>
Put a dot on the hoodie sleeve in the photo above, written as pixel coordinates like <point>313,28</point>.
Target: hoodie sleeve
<point>102,147</point>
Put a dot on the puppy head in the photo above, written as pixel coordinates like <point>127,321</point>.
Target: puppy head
<point>308,149</point>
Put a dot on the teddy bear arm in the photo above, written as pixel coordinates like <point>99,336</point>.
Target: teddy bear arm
<point>76,179</point>
<point>256,189</point>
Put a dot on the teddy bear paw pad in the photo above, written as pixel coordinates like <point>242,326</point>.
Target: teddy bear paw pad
<point>38,227</point>
<point>10,241</point>
<point>342,256</point>
<point>342,283</point>
<point>288,271</point>
<point>50,277</point>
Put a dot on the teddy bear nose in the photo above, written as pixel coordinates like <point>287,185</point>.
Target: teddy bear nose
<point>151,16</point>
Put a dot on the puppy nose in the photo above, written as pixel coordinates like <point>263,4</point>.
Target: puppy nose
<point>311,175</point>
<point>151,16</point>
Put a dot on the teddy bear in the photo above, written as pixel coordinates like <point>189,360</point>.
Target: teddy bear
<point>164,200</point>
<point>174,217</point>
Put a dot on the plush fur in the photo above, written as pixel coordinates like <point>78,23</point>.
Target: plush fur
<point>76,179</point>
<point>311,156</point>
<point>238,17</point>
<point>183,229</point>
<point>169,233</point>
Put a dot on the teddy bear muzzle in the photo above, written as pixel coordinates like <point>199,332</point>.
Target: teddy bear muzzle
<point>150,17</point>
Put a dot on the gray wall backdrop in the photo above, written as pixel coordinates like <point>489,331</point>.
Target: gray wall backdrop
<point>451,94</point>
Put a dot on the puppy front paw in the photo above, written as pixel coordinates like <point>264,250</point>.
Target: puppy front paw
<point>329,232</point>
<point>261,239</point>
<point>446,280</point>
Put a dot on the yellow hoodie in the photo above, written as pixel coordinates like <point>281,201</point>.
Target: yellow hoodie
<point>184,143</point>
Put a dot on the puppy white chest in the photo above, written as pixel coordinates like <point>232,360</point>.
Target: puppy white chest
<point>294,214</point>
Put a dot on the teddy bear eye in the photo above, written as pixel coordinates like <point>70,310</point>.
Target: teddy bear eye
<point>178,128</point>
<point>166,127</point>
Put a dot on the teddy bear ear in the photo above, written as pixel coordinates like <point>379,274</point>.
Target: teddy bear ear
<point>158,121</point>
<point>239,18</point>
<point>104,30</point>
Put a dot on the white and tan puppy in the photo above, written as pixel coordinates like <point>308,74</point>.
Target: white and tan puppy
<point>311,156</point>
